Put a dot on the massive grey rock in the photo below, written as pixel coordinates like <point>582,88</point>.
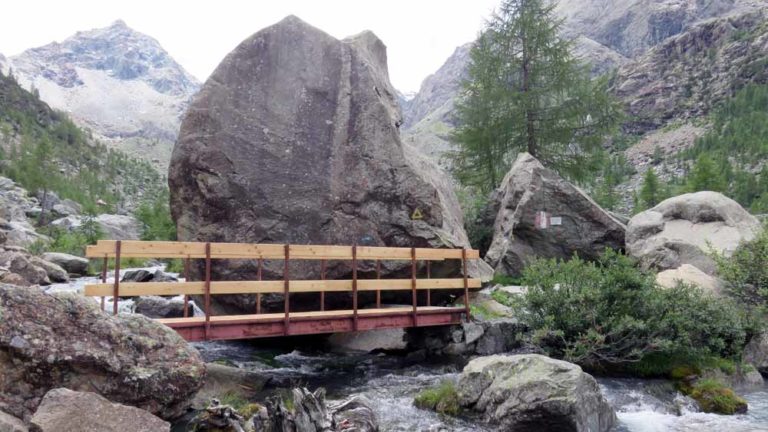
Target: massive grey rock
<point>71,263</point>
<point>756,352</point>
<point>521,232</point>
<point>64,340</point>
<point>64,410</point>
<point>532,392</point>
<point>294,139</point>
<point>682,229</point>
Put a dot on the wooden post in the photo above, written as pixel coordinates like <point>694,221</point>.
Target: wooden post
<point>186,279</point>
<point>429,276</point>
<point>466,283</point>
<point>378,292</point>
<point>286,291</point>
<point>104,268</point>
<point>413,286</point>
<point>322,277</point>
<point>207,290</point>
<point>116,289</point>
<point>259,274</point>
<point>354,287</point>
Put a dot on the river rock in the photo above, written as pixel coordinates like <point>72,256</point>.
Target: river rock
<point>534,393</point>
<point>65,340</point>
<point>691,275</point>
<point>294,139</point>
<point>756,352</point>
<point>536,213</point>
<point>140,275</point>
<point>54,271</point>
<point>72,264</point>
<point>64,410</point>
<point>371,340</point>
<point>20,263</point>
<point>159,307</point>
<point>226,380</point>
<point>681,230</point>
<point>9,423</point>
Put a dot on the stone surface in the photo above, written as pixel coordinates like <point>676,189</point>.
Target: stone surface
<point>691,275</point>
<point>682,229</point>
<point>140,275</point>
<point>159,307</point>
<point>534,393</point>
<point>64,340</point>
<point>72,264</point>
<point>226,380</point>
<point>20,263</point>
<point>521,234</point>
<point>383,339</point>
<point>9,423</point>
<point>756,352</point>
<point>294,139</point>
<point>64,410</point>
<point>54,271</point>
<point>113,227</point>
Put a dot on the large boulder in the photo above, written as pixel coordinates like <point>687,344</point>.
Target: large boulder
<point>756,352</point>
<point>54,271</point>
<point>113,227</point>
<point>294,139</point>
<point>9,423</point>
<point>72,264</point>
<point>536,213</point>
<point>681,230</point>
<point>65,340</point>
<point>22,264</point>
<point>64,410</point>
<point>532,392</point>
<point>690,275</point>
<point>160,307</point>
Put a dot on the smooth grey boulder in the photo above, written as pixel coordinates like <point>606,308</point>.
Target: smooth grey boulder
<point>294,139</point>
<point>531,392</point>
<point>72,264</point>
<point>9,423</point>
<point>57,340</point>
<point>682,229</point>
<point>64,410</point>
<point>537,214</point>
<point>54,271</point>
<point>691,275</point>
<point>159,307</point>
<point>756,352</point>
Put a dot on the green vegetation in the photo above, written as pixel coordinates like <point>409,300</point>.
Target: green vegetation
<point>527,92</point>
<point>714,397</point>
<point>615,170</point>
<point>155,217</point>
<point>652,192</point>
<point>611,315</point>
<point>442,399</point>
<point>746,272</point>
<point>72,242</point>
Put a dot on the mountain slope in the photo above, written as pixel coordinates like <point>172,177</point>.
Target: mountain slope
<point>116,82</point>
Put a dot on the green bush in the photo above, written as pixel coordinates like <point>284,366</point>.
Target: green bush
<point>610,314</point>
<point>442,399</point>
<point>156,220</point>
<point>746,271</point>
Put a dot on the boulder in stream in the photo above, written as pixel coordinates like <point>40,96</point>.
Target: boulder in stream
<point>57,340</point>
<point>532,392</point>
<point>72,264</point>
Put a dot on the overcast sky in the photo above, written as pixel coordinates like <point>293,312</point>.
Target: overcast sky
<point>420,34</point>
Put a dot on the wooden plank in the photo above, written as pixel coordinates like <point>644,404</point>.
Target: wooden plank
<point>134,289</point>
<point>160,249</point>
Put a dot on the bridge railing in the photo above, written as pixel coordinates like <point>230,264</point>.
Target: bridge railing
<point>115,249</point>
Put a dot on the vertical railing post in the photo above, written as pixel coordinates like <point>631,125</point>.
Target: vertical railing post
<point>259,275</point>
<point>116,286</point>
<point>286,291</point>
<point>186,279</point>
<point>322,277</point>
<point>104,269</point>
<point>429,276</point>
<point>354,287</point>
<point>466,283</point>
<point>207,290</point>
<point>378,291</point>
<point>413,286</point>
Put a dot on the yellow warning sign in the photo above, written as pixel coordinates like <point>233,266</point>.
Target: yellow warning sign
<point>417,215</point>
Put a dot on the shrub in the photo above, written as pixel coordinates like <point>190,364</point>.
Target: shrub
<point>442,399</point>
<point>746,271</point>
<point>610,314</point>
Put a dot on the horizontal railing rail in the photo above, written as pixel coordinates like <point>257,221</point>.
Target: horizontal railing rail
<point>116,249</point>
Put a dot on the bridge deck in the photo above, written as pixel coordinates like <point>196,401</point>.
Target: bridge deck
<point>224,327</point>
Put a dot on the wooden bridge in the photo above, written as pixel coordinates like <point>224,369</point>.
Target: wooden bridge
<point>285,323</point>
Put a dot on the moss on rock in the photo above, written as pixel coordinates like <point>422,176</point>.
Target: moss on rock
<point>714,397</point>
<point>442,399</point>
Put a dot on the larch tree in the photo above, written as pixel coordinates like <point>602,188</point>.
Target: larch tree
<point>527,92</point>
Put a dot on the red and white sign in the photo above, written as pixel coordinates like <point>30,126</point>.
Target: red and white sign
<point>542,220</point>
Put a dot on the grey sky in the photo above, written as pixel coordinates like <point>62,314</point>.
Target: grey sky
<point>419,34</point>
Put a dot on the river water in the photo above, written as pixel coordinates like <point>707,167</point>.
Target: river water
<point>390,383</point>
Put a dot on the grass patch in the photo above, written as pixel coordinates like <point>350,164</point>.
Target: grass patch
<point>503,297</point>
<point>442,399</point>
<point>714,397</point>
<point>504,280</point>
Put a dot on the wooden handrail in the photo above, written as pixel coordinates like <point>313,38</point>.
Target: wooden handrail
<point>160,249</point>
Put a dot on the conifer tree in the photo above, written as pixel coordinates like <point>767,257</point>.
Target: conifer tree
<point>527,92</point>
<point>651,192</point>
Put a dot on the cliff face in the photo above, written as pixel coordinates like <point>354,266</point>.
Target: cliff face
<point>117,82</point>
